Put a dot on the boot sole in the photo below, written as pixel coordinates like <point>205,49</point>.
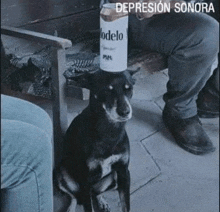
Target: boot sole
<point>193,150</point>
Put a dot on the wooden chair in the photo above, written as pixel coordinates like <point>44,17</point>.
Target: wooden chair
<point>58,81</point>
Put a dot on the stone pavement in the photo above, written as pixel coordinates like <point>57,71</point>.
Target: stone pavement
<point>187,183</point>
<point>164,178</point>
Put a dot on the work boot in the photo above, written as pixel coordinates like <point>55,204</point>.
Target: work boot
<point>208,103</point>
<point>188,133</point>
<point>208,100</point>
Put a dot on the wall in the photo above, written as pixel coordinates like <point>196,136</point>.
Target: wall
<point>67,17</point>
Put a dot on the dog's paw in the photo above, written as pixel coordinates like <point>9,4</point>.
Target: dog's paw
<point>103,205</point>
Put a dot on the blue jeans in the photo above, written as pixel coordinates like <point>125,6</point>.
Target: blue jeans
<point>191,43</point>
<point>26,157</point>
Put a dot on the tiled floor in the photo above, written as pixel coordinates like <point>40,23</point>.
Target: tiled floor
<point>164,178</point>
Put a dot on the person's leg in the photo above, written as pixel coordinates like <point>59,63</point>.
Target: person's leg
<point>191,43</point>
<point>208,98</point>
<point>26,157</point>
<point>17,109</point>
<point>26,168</point>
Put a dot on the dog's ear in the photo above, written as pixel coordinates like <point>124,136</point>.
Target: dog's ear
<point>30,61</point>
<point>132,72</point>
<point>83,80</point>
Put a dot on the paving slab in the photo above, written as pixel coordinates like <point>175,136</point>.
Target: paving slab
<point>142,167</point>
<point>168,154</point>
<point>146,120</point>
<point>149,86</point>
<point>159,102</point>
<point>167,194</point>
<point>188,183</point>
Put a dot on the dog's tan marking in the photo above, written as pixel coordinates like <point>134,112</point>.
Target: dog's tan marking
<point>105,182</point>
<point>105,163</point>
<point>71,184</point>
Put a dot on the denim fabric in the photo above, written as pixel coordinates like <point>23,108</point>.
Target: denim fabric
<point>191,42</point>
<point>26,157</point>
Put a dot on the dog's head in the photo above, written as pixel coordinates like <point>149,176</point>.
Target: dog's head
<point>111,91</point>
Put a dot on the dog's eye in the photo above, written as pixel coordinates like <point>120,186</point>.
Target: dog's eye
<point>127,87</point>
<point>110,87</point>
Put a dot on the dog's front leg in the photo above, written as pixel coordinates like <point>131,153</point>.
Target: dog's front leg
<point>100,204</point>
<point>123,175</point>
<point>107,182</point>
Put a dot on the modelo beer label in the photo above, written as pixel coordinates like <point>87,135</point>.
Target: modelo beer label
<point>113,39</point>
<point>111,36</point>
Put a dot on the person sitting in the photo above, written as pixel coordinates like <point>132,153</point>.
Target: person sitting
<point>191,43</point>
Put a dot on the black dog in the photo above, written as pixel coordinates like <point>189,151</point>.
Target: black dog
<point>96,146</point>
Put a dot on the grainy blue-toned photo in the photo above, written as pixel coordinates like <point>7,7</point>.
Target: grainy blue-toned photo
<point>109,105</point>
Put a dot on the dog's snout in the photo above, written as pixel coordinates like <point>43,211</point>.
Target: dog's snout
<point>123,107</point>
<point>123,111</point>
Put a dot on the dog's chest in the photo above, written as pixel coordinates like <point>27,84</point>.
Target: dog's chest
<point>106,164</point>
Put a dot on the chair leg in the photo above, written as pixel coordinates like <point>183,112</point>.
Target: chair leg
<point>59,102</point>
